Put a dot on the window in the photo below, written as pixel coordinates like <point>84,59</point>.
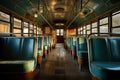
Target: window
<point>4,23</point>
<point>17,23</point>
<point>104,21</point>
<point>31,30</point>
<point>104,29</point>
<point>94,30</point>
<point>35,30</point>
<point>25,29</point>
<point>81,32</point>
<point>4,27</point>
<point>88,29</point>
<point>4,17</point>
<point>116,30</point>
<point>84,30</point>
<point>39,31</point>
<point>17,27</point>
<point>116,22</point>
<point>94,27</point>
<point>59,32</point>
<point>78,30</point>
<point>17,31</point>
<point>104,25</point>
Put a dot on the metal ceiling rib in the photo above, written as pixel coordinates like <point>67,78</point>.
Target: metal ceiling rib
<point>40,13</point>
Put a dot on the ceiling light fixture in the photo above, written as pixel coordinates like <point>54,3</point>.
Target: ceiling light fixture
<point>35,15</point>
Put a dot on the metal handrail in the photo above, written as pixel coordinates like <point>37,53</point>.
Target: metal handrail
<point>105,34</point>
<point>13,34</point>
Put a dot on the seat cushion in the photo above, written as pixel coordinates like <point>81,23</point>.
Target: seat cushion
<point>105,70</point>
<point>17,66</point>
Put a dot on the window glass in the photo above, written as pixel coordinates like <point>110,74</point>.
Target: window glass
<point>61,32</point>
<point>17,31</point>
<point>35,31</point>
<point>31,27</point>
<point>104,21</point>
<point>116,20</point>
<point>88,27</point>
<point>94,24</point>
<point>78,30</point>
<point>84,31</point>
<point>4,17</point>
<point>81,32</point>
<point>31,30</point>
<point>94,30</point>
<point>104,29</point>
<point>81,28</point>
<point>17,23</point>
<point>25,24</point>
<point>57,32</point>
<point>40,31</point>
<point>88,32</point>
<point>4,27</point>
<point>116,30</point>
<point>25,29</point>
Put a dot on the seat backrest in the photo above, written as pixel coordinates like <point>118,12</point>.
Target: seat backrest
<point>10,48</point>
<point>49,40</point>
<point>114,44</point>
<point>98,50</point>
<point>45,45</point>
<point>40,42</point>
<point>13,48</point>
<point>45,41</point>
<point>82,44</point>
<point>74,41</point>
<point>28,48</point>
<point>69,42</point>
<point>3,44</point>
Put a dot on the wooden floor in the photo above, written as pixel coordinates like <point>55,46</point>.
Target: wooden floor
<point>60,65</point>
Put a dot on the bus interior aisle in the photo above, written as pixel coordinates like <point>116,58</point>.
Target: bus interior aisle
<point>60,65</point>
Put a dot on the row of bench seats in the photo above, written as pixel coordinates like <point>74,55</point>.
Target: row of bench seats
<point>82,51</point>
<point>104,58</point>
<point>18,55</point>
<point>73,47</point>
<point>44,46</point>
<point>40,50</point>
<point>47,45</point>
<point>78,47</point>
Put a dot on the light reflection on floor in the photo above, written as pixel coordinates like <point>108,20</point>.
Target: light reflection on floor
<point>60,65</point>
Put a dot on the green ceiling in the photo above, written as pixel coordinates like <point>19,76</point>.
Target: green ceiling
<point>69,12</point>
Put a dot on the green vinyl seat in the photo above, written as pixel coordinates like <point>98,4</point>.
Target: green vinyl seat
<point>17,55</point>
<point>40,46</point>
<point>82,51</point>
<point>104,58</point>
